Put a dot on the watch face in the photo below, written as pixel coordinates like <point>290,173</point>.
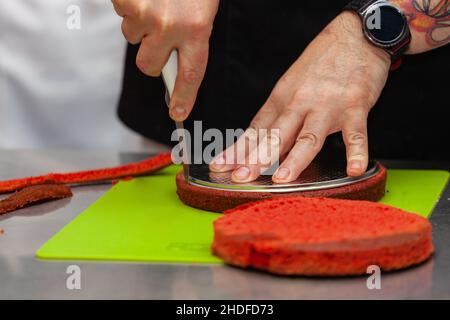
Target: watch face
<point>384,24</point>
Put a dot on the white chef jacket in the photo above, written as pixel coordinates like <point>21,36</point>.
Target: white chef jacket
<point>59,86</point>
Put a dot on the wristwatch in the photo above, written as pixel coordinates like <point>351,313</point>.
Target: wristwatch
<point>384,25</point>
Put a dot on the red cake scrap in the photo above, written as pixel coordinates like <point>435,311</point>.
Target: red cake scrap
<point>32,195</point>
<point>141,168</point>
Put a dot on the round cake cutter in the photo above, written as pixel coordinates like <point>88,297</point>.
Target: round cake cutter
<point>323,173</point>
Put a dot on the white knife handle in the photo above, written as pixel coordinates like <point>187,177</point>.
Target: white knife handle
<point>170,71</point>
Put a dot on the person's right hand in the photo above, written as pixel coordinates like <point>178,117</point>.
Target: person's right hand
<point>162,26</point>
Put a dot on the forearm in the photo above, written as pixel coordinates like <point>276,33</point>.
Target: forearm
<point>429,22</point>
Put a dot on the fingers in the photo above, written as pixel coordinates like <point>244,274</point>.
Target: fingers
<point>191,70</point>
<point>152,55</point>
<point>307,145</point>
<point>279,139</point>
<point>164,26</point>
<point>289,123</point>
<point>236,154</point>
<point>239,153</point>
<point>316,127</point>
<point>128,7</point>
<point>354,132</point>
<point>279,126</point>
<point>132,30</point>
<point>140,25</point>
<point>266,115</point>
<point>260,159</point>
<point>119,7</point>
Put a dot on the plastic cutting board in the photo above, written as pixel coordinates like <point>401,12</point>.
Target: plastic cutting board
<point>143,220</point>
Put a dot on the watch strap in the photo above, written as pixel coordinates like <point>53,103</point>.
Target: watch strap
<point>398,50</point>
<point>357,5</point>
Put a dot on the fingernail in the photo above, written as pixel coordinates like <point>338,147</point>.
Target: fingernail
<point>218,163</point>
<point>178,112</point>
<point>355,165</point>
<point>242,173</point>
<point>282,173</point>
<point>220,160</point>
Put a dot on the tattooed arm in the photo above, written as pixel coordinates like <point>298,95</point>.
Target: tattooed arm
<point>429,21</point>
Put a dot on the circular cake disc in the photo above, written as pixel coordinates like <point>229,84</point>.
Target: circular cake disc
<point>325,177</point>
<point>323,173</point>
<point>321,237</point>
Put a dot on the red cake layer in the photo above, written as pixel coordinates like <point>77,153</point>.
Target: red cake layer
<point>321,237</point>
<point>32,195</point>
<point>219,200</point>
<point>141,168</point>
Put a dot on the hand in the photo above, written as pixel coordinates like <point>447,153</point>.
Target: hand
<point>162,26</point>
<point>330,88</point>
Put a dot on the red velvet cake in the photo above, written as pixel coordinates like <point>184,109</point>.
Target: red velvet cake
<point>32,195</point>
<point>372,189</point>
<point>321,237</point>
<point>32,190</point>
<point>142,168</point>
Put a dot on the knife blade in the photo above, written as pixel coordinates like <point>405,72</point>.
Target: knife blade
<point>169,75</point>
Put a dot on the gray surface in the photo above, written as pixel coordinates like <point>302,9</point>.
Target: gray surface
<point>22,276</point>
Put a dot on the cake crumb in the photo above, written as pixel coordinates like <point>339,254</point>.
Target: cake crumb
<point>2,232</point>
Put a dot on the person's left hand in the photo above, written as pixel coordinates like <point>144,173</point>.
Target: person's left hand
<point>330,88</point>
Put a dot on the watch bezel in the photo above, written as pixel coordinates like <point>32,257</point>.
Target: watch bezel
<point>384,44</point>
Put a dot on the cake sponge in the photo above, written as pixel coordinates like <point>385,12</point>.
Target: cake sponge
<point>215,200</point>
<point>321,237</point>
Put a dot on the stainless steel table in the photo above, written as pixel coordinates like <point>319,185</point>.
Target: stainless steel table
<point>24,277</point>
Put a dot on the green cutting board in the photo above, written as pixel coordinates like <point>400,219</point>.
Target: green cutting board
<point>143,220</point>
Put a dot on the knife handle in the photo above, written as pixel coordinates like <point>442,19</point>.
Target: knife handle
<point>170,72</point>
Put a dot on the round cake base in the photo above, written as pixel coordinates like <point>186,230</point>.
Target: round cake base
<point>208,199</point>
<point>321,237</point>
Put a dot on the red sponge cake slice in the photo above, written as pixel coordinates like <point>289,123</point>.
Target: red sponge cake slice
<point>321,236</point>
<point>220,200</point>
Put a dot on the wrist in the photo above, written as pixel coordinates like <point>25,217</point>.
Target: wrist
<point>349,24</point>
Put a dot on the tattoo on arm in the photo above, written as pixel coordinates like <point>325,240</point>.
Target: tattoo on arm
<point>429,17</point>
